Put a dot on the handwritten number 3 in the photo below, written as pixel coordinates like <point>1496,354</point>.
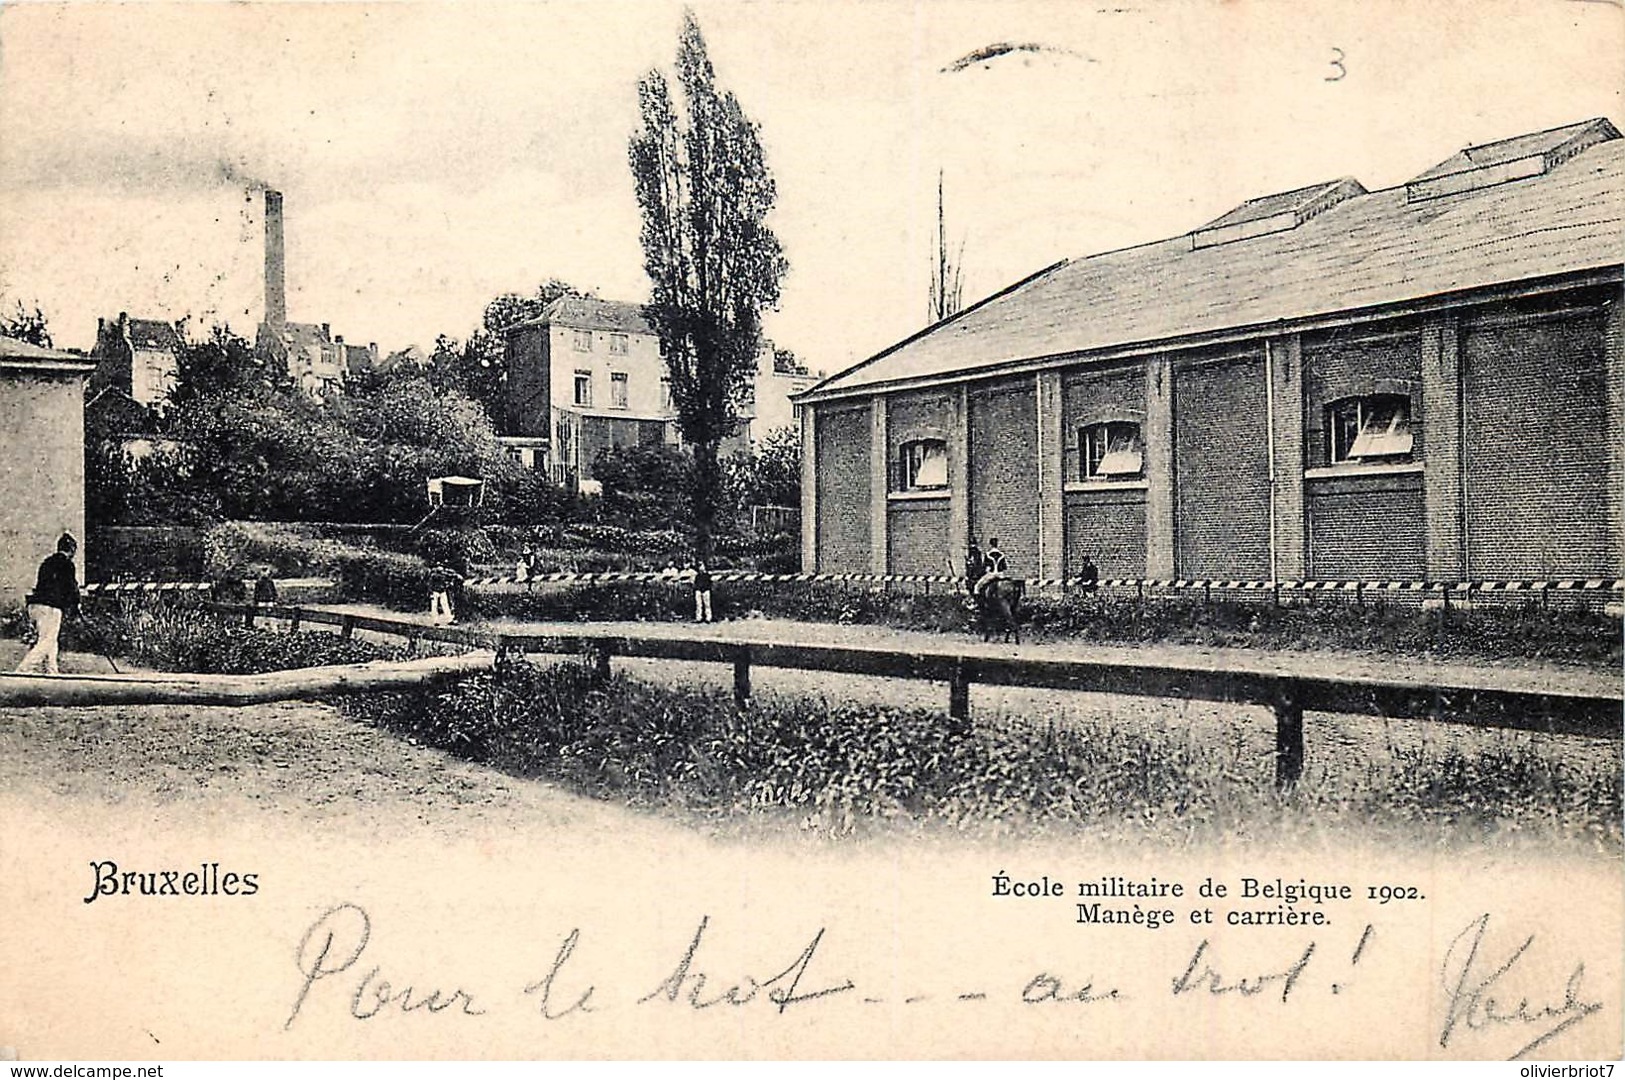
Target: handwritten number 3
<point>1337,62</point>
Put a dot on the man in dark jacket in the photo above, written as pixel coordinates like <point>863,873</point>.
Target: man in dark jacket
<point>55,596</point>
<point>265,588</point>
<point>702,594</point>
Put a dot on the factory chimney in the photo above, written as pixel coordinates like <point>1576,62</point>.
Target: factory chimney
<point>276,284</point>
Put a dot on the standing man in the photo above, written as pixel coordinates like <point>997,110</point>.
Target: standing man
<point>265,587</point>
<point>55,595</point>
<point>702,594</point>
<point>441,581</point>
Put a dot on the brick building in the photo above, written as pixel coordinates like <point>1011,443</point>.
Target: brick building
<point>42,472</point>
<point>1424,381</point>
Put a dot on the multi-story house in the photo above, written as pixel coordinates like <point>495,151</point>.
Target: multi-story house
<point>136,357</point>
<point>584,376</point>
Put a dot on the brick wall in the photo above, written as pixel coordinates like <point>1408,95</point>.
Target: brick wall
<point>1221,469</point>
<point>843,490</point>
<point>1110,527</point>
<point>916,416</point>
<point>917,531</point>
<point>1004,472</point>
<point>1536,447</point>
<point>1094,397</point>
<point>1338,366</point>
<point>1367,527</point>
<point>918,535</point>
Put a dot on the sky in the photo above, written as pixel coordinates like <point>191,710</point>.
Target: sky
<point>433,156</point>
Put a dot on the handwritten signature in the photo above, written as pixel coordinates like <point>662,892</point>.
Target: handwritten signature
<point>1471,986</point>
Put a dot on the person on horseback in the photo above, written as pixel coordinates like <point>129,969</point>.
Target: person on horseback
<point>994,567</point>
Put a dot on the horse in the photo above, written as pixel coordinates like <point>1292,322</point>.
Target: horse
<point>999,605</point>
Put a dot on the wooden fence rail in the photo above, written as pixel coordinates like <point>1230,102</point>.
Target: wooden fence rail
<point>1560,711</point>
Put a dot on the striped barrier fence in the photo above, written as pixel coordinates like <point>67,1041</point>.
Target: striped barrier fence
<point>110,587</point>
<point>614,576</point>
<point>1142,586</point>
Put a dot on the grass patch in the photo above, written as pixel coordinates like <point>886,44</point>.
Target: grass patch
<point>845,768</point>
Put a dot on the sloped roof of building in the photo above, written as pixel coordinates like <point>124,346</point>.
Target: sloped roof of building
<point>591,313</point>
<point>153,334</point>
<point>303,333</point>
<point>19,353</point>
<point>1364,252</point>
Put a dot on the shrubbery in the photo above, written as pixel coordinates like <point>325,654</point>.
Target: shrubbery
<point>838,767</point>
<point>832,764</point>
<point>170,637</point>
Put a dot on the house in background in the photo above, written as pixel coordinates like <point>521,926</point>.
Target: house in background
<point>587,375</point>
<point>42,472</point>
<point>779,376</point>
<point>136,358</point>
<point>319,363</point>
<point>584,376</point>
<point>1425,382</point>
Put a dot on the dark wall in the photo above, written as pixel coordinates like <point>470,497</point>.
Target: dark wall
<point>1536,446</point>
<point>843,490</point>
<point>528,405</point>
<point>1004,472</point>
<point>1367,527</point>
<point>917,533</point>
<point>1221,470</point>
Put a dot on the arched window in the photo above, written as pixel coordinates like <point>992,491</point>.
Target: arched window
<point>1372,427</point>
<point>922,465</point>
<point>1111,451</point>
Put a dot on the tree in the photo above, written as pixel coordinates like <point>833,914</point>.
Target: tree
<point>25,325</point>
<point>223,364</point>
<point>946,287</point>
<point>770,473</point>
<point>714,265</point>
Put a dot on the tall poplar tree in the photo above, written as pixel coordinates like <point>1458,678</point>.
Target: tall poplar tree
<point>714,264</point>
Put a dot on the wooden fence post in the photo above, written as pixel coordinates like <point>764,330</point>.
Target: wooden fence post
<point>293,621</point>
<point>741,655</point>
<point>600,661</point>
<point>1288,734</point>
<point>347,627</point>
<point>959,697</point>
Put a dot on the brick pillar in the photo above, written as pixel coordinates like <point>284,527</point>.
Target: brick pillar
<point>1158,438</point>
<point>809,490</point>
<point>1051,507</point>
<point>959,475</point>
<point>1614,353</point>
<point>879,486</point>
<point>1442,479</point>
<point>1286,371</point>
